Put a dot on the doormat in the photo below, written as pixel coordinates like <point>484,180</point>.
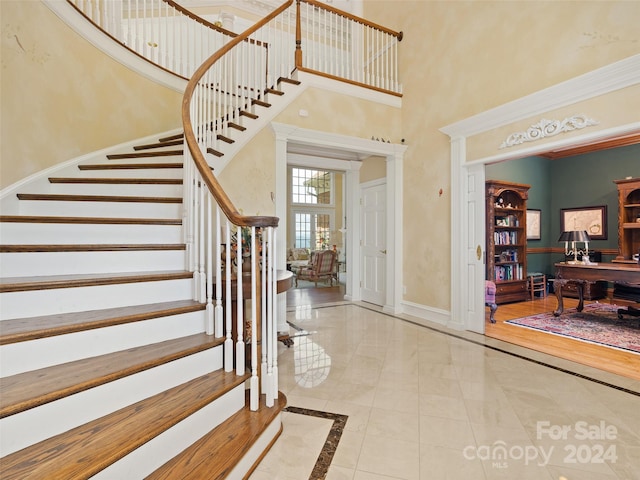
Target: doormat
<point>597,323</point>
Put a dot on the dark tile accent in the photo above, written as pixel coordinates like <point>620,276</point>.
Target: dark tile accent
<point>321,468</point>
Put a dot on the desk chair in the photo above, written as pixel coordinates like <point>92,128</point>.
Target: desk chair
<point>537,282</point>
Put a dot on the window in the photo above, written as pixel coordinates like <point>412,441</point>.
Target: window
<point>312,200</point>
<point>313,187</point>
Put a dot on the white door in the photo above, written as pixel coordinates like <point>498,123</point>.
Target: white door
<point>373,244</point>
<point>475,248</point>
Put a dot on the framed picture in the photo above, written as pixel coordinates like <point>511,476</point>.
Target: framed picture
<point>591,219</point>
<point>533,224</point>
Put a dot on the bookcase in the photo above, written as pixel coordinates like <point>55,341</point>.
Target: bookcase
<point>628,220</point>
<point>506,245</point>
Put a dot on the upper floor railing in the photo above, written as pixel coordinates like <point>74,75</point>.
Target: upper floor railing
<point>233,256</point>
<point>313,37</point>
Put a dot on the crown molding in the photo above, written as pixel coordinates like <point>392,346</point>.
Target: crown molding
<point>615,76</point>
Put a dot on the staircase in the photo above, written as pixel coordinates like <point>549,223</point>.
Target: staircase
<point>108,368</point>
<point>107,371</point>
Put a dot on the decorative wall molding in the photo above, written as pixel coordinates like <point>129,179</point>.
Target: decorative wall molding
<point>548,128</point>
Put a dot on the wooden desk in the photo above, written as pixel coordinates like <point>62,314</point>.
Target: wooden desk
<point>582,274</point>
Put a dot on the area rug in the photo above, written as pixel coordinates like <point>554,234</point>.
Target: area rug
<point>597,323</point>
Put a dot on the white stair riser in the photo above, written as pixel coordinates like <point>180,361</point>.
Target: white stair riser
<point>153,454</point>
<point>101,209</point>
<point>132,173</point>
<point>22,357</point>
<point>145,190</point>
<point>80,299</point>
<point>66,233</point>
<point>69,263</point>
<point>34,425</point>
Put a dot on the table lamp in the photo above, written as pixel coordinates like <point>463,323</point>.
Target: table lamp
<point>575,236</point>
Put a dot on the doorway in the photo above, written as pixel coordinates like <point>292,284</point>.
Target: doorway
<point>467,295</point>
<point>315,149</point>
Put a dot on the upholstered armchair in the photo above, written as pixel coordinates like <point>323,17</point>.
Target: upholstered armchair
<point>298,257</point>
<point>322,267</point>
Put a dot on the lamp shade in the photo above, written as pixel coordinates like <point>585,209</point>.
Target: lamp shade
<point>574,236</point>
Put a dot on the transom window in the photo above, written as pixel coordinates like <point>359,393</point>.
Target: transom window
<point>311,186</point>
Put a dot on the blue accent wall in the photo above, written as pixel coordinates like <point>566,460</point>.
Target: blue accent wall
<point>571,182</point>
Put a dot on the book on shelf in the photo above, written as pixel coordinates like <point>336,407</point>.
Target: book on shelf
<point>505,238</point>
<point>505,273</point>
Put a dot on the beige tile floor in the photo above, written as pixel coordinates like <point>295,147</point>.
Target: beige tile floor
<point>424,403</point>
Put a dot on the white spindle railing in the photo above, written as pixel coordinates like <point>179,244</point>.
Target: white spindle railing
<point>349,48</point>
<point>332,42</point>
<point>223,87</point>
<point>160,31</point>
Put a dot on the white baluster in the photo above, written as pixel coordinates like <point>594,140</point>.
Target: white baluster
<point>254,385</point>
<point>240,364</point>
<point>218,315</point>
<point>209,270</point>
<point>228,343</point>
<point>264,301</point>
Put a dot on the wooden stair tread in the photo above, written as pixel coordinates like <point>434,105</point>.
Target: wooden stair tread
<point>27,390</point>
<point>128,166</point>
<point>171,137</point>
<point>214,152</point>
<point>261,103</point>
<point>163,153</point>
<point>273,91</point>
<point>222,138</point>
<point>89,220</point>
<point>96,198</point>
<point>236,126</point>
<point>23,329</point>
<point>21,284</point>
<point>288,80</point>
<point>118,181</point>
<point>217,453</point>
<point>160,144</point>
<point>110,438</point>
<point>244,113</point>
<point>28,248</point>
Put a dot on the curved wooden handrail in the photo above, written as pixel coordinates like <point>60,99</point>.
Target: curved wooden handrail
<point>355,18</point>
<point>209,179</point>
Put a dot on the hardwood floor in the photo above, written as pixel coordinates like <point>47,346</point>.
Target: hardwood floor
<point>603,358</point>
<point>298,296</point>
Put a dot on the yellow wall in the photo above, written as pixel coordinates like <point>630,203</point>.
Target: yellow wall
<point>373,168</point>
<point>458,59</point>
<point>62,98</point>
